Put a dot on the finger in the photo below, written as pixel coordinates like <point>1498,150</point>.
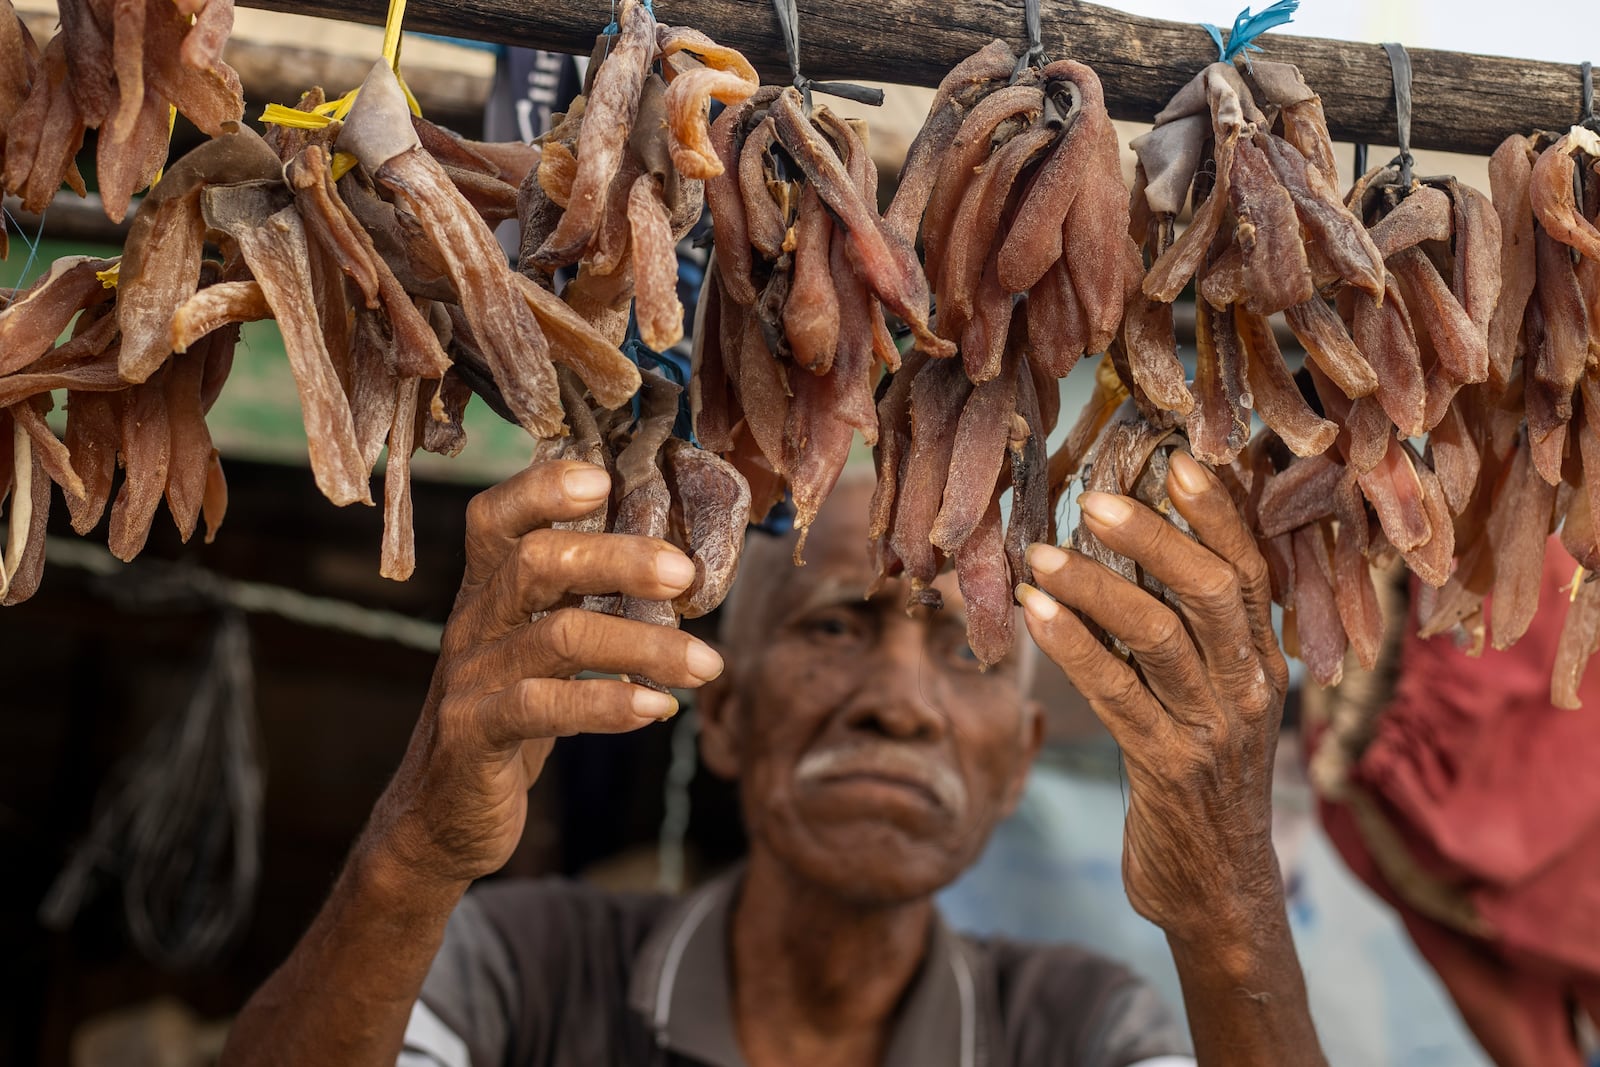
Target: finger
<point>547,565</point>
<point>570,641</point>
<point>556,491</point>
<point>1152,631</point>
<point>556,707</point>
<point>1209,510</point>
<point>1204,584</point>
<point>1112,688</point>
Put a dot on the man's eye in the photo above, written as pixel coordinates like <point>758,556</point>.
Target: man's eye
<point>830,626</point>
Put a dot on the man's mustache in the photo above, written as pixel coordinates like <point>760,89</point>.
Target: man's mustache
<point>889,760</point>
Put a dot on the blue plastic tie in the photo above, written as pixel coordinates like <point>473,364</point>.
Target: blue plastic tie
<point>1247,27</point>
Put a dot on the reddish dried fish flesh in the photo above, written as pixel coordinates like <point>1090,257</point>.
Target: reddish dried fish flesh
<point>1318,626</point>
<point>960,90</point>
<point>1518,526</point>
<point>1328,343</point>
<point>1461,347</point>
<point>1552,195</point>
<point>607,121</point>
<point>1275,396</point>
<point>1510,175</point>
<point>1395,491</point>
<point>713,506</point>
<point>35,317</point>
<point>1384,334</point>
<point>273,243</point>
<point>724,74</point>
<point>1277,274</point>
<point>1218,425</point>
<point>984,576</point>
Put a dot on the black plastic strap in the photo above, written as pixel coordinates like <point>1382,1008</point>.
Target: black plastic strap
<point>1400,66</point>
<point>1589,120</point>
<point>789,24</point>
<point>1035,55</point>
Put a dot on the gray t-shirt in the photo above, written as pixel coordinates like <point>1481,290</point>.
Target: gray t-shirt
<point>553,974</point>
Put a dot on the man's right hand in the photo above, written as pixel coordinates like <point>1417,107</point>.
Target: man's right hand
<point>504,687</point>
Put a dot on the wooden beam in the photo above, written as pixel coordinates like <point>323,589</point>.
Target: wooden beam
<point>1463,103</point>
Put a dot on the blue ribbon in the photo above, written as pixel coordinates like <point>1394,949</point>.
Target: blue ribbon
<point>1247,27</point>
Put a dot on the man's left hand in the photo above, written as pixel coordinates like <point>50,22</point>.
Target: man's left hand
<point>1198,720</point>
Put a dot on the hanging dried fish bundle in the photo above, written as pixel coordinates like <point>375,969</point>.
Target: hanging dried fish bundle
<point>661,487</point>
<point>621,177</point>
<point>121,68</point>
<point>1269,234</point>
<point>1015,184</point>
<point>792,328</point>
<point>389,290</point>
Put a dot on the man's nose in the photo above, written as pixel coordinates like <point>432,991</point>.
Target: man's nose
<point>903,696</point>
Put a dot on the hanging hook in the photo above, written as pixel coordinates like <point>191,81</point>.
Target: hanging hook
<point>789,25</point>
<point>1589,119</point>
<point>1035,55</point>
<point>1400,66</point>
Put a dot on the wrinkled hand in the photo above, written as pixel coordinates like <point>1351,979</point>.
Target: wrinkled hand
<point>1198,721</point>
<point>504,687</point>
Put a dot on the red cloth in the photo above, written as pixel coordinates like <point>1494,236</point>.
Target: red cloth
<point>1497,792</point>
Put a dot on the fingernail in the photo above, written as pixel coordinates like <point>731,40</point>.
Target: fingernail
<point>1046,559</point>
<point>703,661</point>
<point>649,704</point>
<point>674,569</point>
<point>586,483</point>
<point>1105,509</point>
<point>1191,476</point>
<point>1036,603</point>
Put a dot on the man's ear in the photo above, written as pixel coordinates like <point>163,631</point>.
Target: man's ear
<point>719,711</point>
<point>1032,741</point>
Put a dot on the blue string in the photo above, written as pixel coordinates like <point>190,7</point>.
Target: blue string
<point>23,280</point>
<point>613,28</point>
<point>1247,27</point>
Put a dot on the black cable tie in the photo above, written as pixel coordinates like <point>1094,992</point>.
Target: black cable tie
<point>789,25</point>
<point>1400,68</point>
<point>1035,56</point>
<point>1589,120</point>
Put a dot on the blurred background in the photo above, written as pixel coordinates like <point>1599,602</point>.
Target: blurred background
<point>247,700</point>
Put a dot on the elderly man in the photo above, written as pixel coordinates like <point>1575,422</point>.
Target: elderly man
<point>873,757</point>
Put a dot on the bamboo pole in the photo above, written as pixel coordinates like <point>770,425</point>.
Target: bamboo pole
<point>1463,103</point>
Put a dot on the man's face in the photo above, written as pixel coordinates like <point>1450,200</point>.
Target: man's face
<point>873,753</point>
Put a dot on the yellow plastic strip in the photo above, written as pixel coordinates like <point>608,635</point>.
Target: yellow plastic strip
<point>1577,584</point>
<point>108,277</point>
<point>391,34</point>
<point>278,115</point>
<point>341,164</point>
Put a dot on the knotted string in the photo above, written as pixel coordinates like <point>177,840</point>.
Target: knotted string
<point>1035,56</point>
<point>1590,120</point>
<point>1400,67</point>
<point>1247,27</point>
<point>789,24</point>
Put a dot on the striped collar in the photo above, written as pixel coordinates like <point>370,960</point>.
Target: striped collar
<point>682,987</point>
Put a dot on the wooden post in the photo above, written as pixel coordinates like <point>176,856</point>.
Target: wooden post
<point>1463,103</point>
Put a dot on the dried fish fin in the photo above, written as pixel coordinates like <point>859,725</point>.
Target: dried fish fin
<point>1218,427</point>
<point>1510,177</point>
<point>93,430</point>
<point>984,577</point>
<point>1276,397</point>
<point>937,396</point>
<point>1518,526</point>
<point>146,454</point>
<point>655,267</point>
<point>1384,335</point>
<point>979,452</point>
<point>713,506</point>
<point>399,556</point>
<point>1580,637</point>
<point>1328,343</point>
<point>273,243</point>
<point>1321,633</point>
